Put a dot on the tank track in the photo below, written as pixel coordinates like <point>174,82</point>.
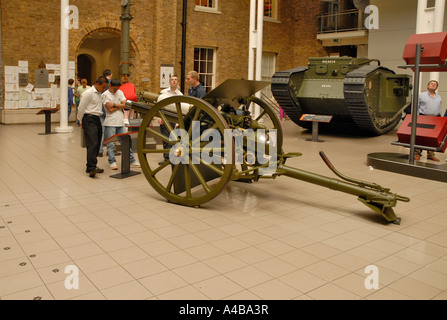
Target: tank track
<point>281,92</point>
<point>355,97</point>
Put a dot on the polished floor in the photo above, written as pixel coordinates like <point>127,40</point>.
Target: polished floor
<point>274,239</point>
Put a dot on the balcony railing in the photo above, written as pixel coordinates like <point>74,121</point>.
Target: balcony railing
<point>351,20</point>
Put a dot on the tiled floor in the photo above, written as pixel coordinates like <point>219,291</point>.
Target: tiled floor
<point>275,239</point>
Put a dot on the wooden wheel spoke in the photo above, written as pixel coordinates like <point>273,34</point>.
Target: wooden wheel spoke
<point>212,167</point>
<point>187,182</point>
<point>261,115</point>
<point>161,136</point>
<point>206,134</point>
<point>200,177</point>
<point>156,150</point>
<point>196,116</point>
<point>168,125</point>
<point>171,180</point>
<point>161,167</point>
<point>180,121</point>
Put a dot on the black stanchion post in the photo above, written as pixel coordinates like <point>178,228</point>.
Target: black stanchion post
<point>414,107</point>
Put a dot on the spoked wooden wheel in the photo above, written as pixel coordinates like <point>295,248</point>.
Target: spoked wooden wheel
<point>199,165</point>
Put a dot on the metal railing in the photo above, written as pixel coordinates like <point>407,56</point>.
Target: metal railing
<point>350,20</point>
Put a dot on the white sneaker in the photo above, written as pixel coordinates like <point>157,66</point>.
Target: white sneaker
<point>126,121</point>
<point>135,165</point>
<point>113,166</point>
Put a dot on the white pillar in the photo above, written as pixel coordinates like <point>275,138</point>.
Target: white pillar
<point>439,15</point>
<point>420,18</point>
<point>259,42</point>
<point>259,39</point>
<point>64,71</point>
<point>421,26</point>
<point>252,40</point>
<point>438,25</point>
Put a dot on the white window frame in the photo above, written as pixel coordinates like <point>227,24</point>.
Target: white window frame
<point>274,17</point>
<point>213,73</point>
<point>213,9</point>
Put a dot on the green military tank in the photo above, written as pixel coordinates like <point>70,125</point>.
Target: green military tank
<point>361,95</point>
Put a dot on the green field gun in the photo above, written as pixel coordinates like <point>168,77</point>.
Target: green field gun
<point>229,135</point>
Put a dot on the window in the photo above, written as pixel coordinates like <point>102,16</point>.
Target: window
<point>205,3</point>
<point>270,8</point>
<point>204,65</point>
<point>268,70</point>
<point>210,6</point>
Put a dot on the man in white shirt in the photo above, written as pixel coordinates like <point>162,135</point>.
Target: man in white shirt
<point>172,90</point>
<point>429,104</point>
<point>89,113</point>
<point>115,102</point>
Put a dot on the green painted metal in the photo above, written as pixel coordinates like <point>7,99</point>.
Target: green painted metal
<point>193,184</point>
<point>125,18</point>
<point>359,94</point>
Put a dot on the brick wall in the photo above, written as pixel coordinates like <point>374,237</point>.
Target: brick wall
<point>32,32</point>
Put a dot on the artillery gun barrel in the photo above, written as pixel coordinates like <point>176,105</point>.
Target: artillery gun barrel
<point>146,107</point>
<point>150,97</point>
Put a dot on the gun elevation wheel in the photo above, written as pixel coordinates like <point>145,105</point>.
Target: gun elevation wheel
<point>267,117</point>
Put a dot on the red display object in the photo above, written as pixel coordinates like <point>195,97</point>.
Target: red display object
<point>434,50</point>
<point>430,131</point>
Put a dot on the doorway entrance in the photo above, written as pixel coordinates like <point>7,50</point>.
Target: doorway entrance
<point>100,50</point>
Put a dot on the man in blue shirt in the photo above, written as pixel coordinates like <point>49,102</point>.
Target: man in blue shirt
<point>429,104</point>
<point>195,87</point>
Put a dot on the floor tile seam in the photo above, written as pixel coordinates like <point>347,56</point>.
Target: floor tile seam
<point>195,282</point>
<point>34,269</point>
<point>424,267</point>
<point>403,276</point>
<point>170,268</point>
<point>394,254</point>
<point>320,242</point>
<point>355,273</point>
<point>118,285</point>
<point>100,290</point>
<point>153,294</point>
<point>414,298</point>
<point>74,259</point>
<point>28,179</point>
<point>232,281</point>
<point>111,226</point>
<point>18,272</point>
<point>335,284</point>
<point>317,276</point>
<point>28,256</point>
<point>31,288</point>
<point>440,259</point>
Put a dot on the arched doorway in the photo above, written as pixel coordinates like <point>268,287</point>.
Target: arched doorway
<point>84,63</point>
<point>100,50</point>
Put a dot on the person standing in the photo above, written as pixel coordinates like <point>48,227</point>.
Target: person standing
<point>89,114</point>
<point>429,104</point>
<point>130,93</point>
<point>70,97</point>
<point>172,90</point>
<point>108,75</point>
<point>78,93</point>
<point>195,87</point>
<point>115,102</point>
